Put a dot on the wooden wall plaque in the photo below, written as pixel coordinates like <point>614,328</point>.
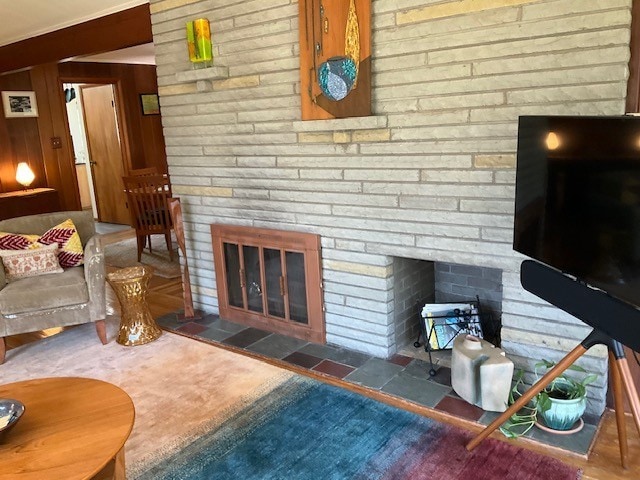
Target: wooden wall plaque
<point>327,32</point>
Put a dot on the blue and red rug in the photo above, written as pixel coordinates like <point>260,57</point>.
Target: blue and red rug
<point>309,430</point>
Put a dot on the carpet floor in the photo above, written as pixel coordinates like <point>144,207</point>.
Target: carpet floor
<point>181,388</point>
<point>207,413</point>
<point>125,254</point>
<point>308,430</point>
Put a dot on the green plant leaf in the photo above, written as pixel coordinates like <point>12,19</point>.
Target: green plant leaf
<point>577,368</point>
<point>544,403</point>
<point>545,363</point>
<point>589,379</point>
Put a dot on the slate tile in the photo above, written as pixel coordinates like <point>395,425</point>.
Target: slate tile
<point>460,408</point>
<point>417,390</point>
<point>334,369</point>
<point>337,354</point>
<point>374,373</point>
<point>169,321</point>
<point>227,326</point>
<point>215,334</point>
<point>246,337</point>
<point>576,442</point>
<point>302,360</point>
<point>401,360</point>
<point>277,346</point>
<point>191,328</point>
<point>418,368</point>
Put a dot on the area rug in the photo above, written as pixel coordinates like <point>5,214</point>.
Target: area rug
<point>181,388</point>
<point>305,429</point>
<point>125,254</point>
<point>203,412</point>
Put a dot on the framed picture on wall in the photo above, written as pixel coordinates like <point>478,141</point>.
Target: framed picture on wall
<point>150,104</point>
<point>19,104</point>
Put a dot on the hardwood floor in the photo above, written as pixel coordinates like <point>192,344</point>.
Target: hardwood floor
<point>165,296</point>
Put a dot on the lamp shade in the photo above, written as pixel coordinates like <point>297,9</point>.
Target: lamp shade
<point>24,174</point>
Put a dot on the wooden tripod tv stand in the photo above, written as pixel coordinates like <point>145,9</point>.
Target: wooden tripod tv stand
<point>621,382</point>
<point>614,323</point>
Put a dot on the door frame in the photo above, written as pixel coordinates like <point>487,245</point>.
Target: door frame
<point>121,117</point>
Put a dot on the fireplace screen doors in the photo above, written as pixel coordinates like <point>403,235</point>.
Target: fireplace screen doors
<point>269,279</point>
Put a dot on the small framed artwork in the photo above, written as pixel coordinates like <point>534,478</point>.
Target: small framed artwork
<point>150,104</point>
<point>19,104</point>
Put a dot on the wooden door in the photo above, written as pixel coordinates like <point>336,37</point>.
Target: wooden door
<point>105,153</point>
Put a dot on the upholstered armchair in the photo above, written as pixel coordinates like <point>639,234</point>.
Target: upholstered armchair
<point>74,296</point>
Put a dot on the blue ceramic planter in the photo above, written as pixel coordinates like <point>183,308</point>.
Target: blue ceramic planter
<point>563,414</point>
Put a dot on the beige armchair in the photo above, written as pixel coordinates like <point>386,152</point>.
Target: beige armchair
<point>55,300</point>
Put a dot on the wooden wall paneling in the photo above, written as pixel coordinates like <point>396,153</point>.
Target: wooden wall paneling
<point>143,134</point>
<point>6,157</point>
<point>152,136</point>
<point>126,121</point>
<point>19,139</point>
<point>24,138</point>
<point>52,122</point>
<point>112,32</point>
<point>131,106</point>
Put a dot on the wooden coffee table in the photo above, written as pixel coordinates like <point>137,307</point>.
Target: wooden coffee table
<point>72,428</point>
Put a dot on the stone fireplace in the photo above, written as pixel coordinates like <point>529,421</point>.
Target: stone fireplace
<point>429,177</point>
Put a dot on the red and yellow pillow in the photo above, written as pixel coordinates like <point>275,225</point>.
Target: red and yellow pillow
<point>70,251</point>
<point>17,241</point>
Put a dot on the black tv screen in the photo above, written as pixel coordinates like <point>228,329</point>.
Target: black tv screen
<point>577,203</point>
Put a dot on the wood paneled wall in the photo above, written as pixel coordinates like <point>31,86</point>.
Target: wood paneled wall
<point>30,139</point>
<point>119,30</point>
<point>19,139</point>
<point>143,132</point>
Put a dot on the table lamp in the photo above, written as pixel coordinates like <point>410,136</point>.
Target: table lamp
<point>24,175</point>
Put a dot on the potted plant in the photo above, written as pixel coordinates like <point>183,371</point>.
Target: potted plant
<point>562,402</point>
<point>559,405</point>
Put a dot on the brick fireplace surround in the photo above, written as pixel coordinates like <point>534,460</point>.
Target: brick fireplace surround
<point>429,176</point>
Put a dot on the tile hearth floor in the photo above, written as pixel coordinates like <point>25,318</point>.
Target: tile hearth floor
<point>400,375</point>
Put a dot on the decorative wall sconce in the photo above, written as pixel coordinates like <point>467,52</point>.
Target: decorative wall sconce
<point>24,175</point>
<point>199,43</point>
<point>335,58</point>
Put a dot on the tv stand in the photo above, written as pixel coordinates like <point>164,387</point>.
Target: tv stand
<point>614,323</point>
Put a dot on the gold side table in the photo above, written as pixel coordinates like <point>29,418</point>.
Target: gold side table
<point>137,326</point>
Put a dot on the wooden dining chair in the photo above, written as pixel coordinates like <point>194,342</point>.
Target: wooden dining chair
<point>147,196</point>
<point>135,172</point>
<point>149,171</point>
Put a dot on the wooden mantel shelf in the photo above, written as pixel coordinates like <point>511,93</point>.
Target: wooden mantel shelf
<point>211,73</point>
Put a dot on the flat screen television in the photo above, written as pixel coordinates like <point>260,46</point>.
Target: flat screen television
<point>577,205</point>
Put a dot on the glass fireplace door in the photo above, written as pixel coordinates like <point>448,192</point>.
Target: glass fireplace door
<point>271,286</point>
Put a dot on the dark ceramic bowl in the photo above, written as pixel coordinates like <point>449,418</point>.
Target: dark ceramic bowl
<point>10,412</point>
